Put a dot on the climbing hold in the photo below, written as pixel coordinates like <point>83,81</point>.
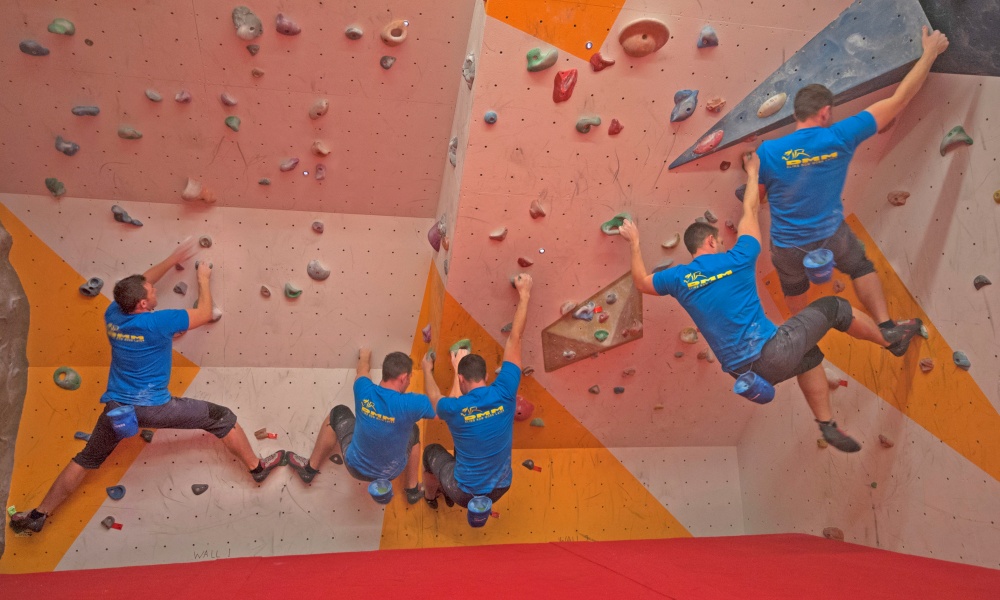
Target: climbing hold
<point>678,354</point>
<point>710,217</point>
<point>926,365</point>
<point>523,409</point>
<point>731,226</point>
<point>436,233</point>
<point>996,196</point>
<point>320,172</point>
<point>874,485</point>
<point>583,124</point>
<point>689,335</point>
<point>821,443</point>
<point>82,435</point>
<point>199,488</point>
<point>507,328</point>
<point>585,312</point>
<point>319,108</point>
<point>619,390</point>
<point>924,333</point>
<point>265,291</point>
<point>499,235</point>
<point>599,63</point>
<point>462,344</point>
<point>336,459</point>
<point>594,389</point>
<point>183,96</point>
<point>192,190</point>
<point>319,148</point>
<point>86,111</point>
<point>563,86</point>
<point>771,105</point>
<point>539,61</point>
<point>317,271</point>
<point>525,262</point>
<point>62,27</point>
<point>288,165</point>
<point>838,286</point>
<point>537,422</point>
<point>55,187</point>
<point>724,165</point>
<point>179,267</point>
<point>613,227</point>
<point>126,132</point>
<point>616,127</point>
<point>740,191</point>
<point>634,329</point>
<point>603,317</point>
<point>426,332</point>
<point>92,287</point>
<point>233,122</point>
<point>154,95</point>
<point>706,355</point>
<point>261,434</point>
<point>643,37</point>
<point>600,335</point>
<point>708,38</point>
<point>685,101</point>
<point>833,381</point>
<point>253,49</point>
<point>386,62</point>
<point>181,288</point>
<point>833,533</point>
<point>886,442</point>
<point>33,48</point>
<point>109,523</point>
<point>394,33</point>
<point>527,370</point>
<point>954,137</point>
<point>286,26</point>
<point>205,242</point>
<point>123,217</point>
<point>116,492</point>
<point>567,307</point>
<point>67,378</point>
<point>445,265</point>
<point>227,99</point>
<point>291,291</point>
<point>709,142</point>
<point>88,41</point>
<point>453,151</point>
<point>248,26</point>
<point>898,198</point>
<point>353,33</point>
<point>961,360</point>
<point>216,314</point>
<point>257,72</point>
<point>611,297</point>
<point>535,210</point>
<point>715,104</point>
<point>529,464</point>
<point>66,147</point>
<point>490,117</point>
<point>981,281</point>
<point>672,242</point>
<point>469,69</point>
<point>663,265</point>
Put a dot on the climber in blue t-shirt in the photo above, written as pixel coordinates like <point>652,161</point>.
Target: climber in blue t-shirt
<point>718,290</point>
<point>803,174</point>
<point>141,341</point>
<point>480,418</point>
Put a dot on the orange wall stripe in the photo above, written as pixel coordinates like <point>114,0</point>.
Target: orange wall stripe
<point>567,25</point>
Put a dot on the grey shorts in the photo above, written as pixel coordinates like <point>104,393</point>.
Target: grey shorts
<point>342,422</point>
<point>178,413</point>
<point>793,350</point>
<point>847,250</point>
<point>441,464</point>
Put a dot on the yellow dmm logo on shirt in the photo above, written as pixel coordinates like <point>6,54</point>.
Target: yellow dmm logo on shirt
<point>799,158</point>
<point>123,337</point>
<point>696,280</point>
<point>371,413</point>
<point>486,414</point>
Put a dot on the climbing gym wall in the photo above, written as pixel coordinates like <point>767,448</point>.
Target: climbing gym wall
<point>454,136</point>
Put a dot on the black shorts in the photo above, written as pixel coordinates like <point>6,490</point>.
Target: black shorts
<point>847,250</point>
<point>178,413</point>
<point>793,350</point>
<point>441,463</point>
<point>342,422</point>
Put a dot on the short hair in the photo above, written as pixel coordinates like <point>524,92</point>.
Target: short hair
<point>811,99</point>
<point>472,368</point>
<point>695,234</point>
<point>129,291</point>
<point>396,364</point>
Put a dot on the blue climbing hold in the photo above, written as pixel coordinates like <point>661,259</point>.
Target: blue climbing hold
<point>490,117</point>
<point>116,492</point>
<point>685,101</point>
<point>80,435</point>
<point>708,37</point>
<point>740,192</point>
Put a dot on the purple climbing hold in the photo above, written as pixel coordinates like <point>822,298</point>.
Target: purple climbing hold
<point>594,389</point>
<point>33,48</point>
<point>685,101</point>
<point>436,232</point>
<point>619,390</point>
<point>386,62</point>
<point>740,191</point>
<point>320,172</point>
<point>318,227</point>
<point>286,26</point>
<point>66,147</point>
<point>183,97</point>
<point>981,281</point>
<point>426,332</point>
<point>86,111</point>
<point>708,38</point>
<point>611,298</point>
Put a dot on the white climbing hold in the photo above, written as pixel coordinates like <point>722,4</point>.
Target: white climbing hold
<point>319,108</point>
<point>772,105</point>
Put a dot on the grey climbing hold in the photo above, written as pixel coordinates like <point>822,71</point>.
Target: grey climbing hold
<point>469,69</point>
<point>233,122</point>
<point>62,27</point>
<point>336,459</point>
<point>594,389</point>
<point>181,288</point>
<point>86,111</point>
<point>672,242</point>
<point>539,61</point>
<point>55,187</point>
<point>33,48</point>
<point>490,117</point>
<point>353,33</point>
<point>386,62</point>
<point>116,492</point>
<point>123,217</point>
<point>685,101</point>
<point>108,522</point>
<point>228,99</point>
<point>265,291</point>
<point>288,165</point>
<point>253,49</point>
<point>710,217</point>
<point>318,227</point>
<point>507,328</point>
<point>291,291</point>
<point>954,137</point>
<point>154,95</point>
<point>663,265</point>
<point>199,488</point>
<point>678,354</point>
<point>263,181</point>
<point>92,287</point>
<point>611,298</point>
<point>126,132</point>
<point>740,191</point>
<point>81,435</point>
<point>147,435</point>
<point>583,124</point>
<point>205,242</point>
<point>708,38</point>
<point>183,97</point>
<point>317,271</point>
<point>67,378</point>
<point>248,26</point>
<point>66,147</point>
<point>453,151</point>
<point>961,360</point>
<point>981,281</point>
<point>619,390</point>
<point>629,371</point>
<point>286,26</point>
<point>771,105</point>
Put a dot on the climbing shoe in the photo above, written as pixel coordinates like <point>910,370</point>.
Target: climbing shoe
<point>301,466</point>
<point>414,494</point>
<point>837,438</point>
<point>22,522</point>
<point>267,465</point>
<point>900,334</point>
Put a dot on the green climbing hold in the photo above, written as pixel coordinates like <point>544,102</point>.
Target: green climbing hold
<point>147,434</point>
<point>874,485</point>
<point>584,124</point>
<point>460,344</point>
<point>613,226</point>
<point>55,186</point>
<point>67,378</point>
<point>291,291</point>
<point>537,422</point>
<point>539,61</point>
<point>956,136</point>
<point>62,27</point>
<point>600,335</point>
<point>233,122</point>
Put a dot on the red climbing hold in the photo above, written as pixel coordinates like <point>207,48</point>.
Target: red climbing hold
<point>525,262</point>
<point>564,84</point>
<point>523,409</point>
<point>709,142</point>
<point>599,63</point>
<point>616,127</point>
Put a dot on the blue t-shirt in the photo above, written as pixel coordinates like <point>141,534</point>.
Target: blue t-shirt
<point>482,426</point>
<point>141,354</point>
<point>384,422</point>
<point>804,173</point>
<point>719,291</point>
